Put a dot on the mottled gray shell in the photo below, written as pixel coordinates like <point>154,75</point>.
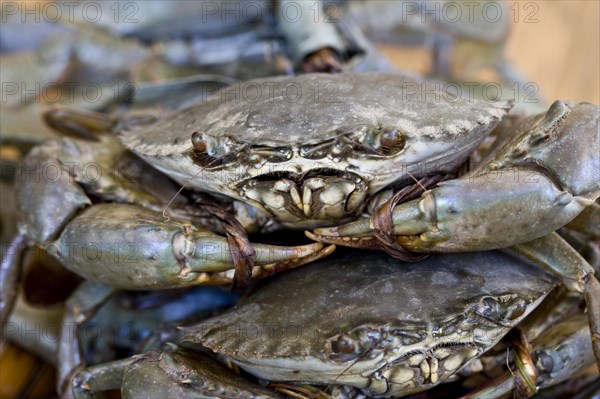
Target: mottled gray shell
<point>340,293</point>
<point>313,108</point>
<point>284,331</point>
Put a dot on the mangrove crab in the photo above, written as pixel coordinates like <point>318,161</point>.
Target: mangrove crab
<point>312,158</point>
<point>371,322</point>
<point>359,320</point>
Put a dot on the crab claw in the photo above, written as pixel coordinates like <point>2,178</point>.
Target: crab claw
<point>380,225</point>
<point>362,234</point>
<point>130,247</point>
<point>407,224</point>
<point>469,214</point>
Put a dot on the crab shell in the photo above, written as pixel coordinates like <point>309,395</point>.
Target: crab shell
<point>308,150</point>
<point>375,323</point>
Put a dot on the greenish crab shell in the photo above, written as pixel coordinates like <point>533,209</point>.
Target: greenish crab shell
<point>311,150</point>
<point>372,322</point>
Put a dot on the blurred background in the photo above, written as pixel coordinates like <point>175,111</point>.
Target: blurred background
<point>553,43</point>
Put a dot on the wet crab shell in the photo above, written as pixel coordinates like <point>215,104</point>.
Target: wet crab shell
<point>372,322</point>
<point>312,149</point>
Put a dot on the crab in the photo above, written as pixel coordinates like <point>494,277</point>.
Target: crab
<point>369,322</point>
<point>360,320</point>
<point>270,168</point>
<point>545,177</point>
<point>415,322</point>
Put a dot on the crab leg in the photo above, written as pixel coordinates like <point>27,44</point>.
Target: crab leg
<point>588,248</point>
<point>103,377</point>
<point>557,256</point>
<point>561,352</point>
<point>83,303</point>
<point>9,276</point>
<point>588,221</point>
<point>155,374</point>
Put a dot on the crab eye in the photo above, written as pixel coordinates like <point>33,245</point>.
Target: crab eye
<point>545,361</point>
<point>382,140</point>
<point>502,310</point>
<point>514,308</point>
<point>344,349</point>
<point>199,141</point>
<point>343,345</point>
<point>391,138</point>
<point>488,307</point>
<point>212,152</point>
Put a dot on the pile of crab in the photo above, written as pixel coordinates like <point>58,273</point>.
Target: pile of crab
<point>471,233</point>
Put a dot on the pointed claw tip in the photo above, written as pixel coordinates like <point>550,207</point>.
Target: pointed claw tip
<point>329,249</point>
<point>302,251</point>
<point>322,239</point>
<point>311,235</point>
<point>327,231</point>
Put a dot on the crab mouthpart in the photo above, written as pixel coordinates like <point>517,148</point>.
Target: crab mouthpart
<point>318,195</point>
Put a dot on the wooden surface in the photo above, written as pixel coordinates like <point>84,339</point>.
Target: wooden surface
<point>555,44</point>
<point>561,52</point>
<point>23,375</point>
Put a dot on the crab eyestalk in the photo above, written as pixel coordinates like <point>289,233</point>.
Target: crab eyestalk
<point>215,148</point>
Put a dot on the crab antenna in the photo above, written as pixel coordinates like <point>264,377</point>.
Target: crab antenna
<point>164,215</point>
<point>166,208</point>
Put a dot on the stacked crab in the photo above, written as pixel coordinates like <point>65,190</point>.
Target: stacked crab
<point>458,214</point>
